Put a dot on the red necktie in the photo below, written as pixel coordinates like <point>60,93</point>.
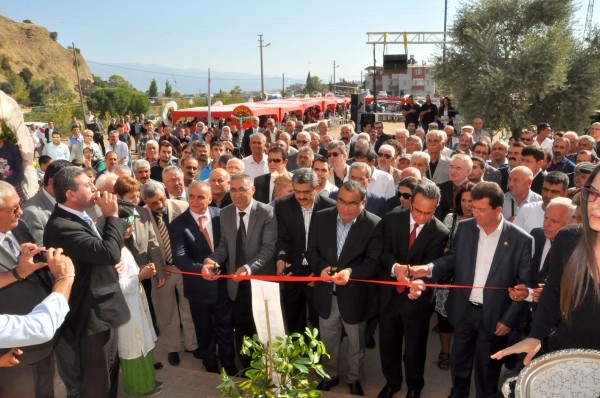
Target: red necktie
<point>205,231</point>
<point>411,242</point>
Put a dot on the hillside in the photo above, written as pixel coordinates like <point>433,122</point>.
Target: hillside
<point>29,45</point>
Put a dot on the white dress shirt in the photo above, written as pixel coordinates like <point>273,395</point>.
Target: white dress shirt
<point>486,248</point>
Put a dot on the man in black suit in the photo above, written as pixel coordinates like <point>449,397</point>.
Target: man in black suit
<point>487,251</point>
<point>193,236</point>
<point>35,373</point>
<point>344,240</point>
<point>248,132</point>
<point>460,168</point>
<point>294,215</point>
<point>401,317</point>
<point>534,158</point>
<point>97,303</point>
<point>247,247</point>
<point>264,185</point>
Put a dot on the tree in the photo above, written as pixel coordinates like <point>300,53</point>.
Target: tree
<point>168,89</point>
<point>26,75</point>
<point>119,81</point>
<point>313,84</point>
<point>118,101</point>
<point>54,35</point>
<point>511,61</point>
<point>237,95</point>
<point>153,90</point>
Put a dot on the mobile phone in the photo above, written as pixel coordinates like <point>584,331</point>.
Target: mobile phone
<point>44,256</point>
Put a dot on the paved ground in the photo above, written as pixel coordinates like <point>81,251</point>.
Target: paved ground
<point>190,380</point>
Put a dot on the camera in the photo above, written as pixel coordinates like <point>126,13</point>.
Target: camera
<point>44,256</point>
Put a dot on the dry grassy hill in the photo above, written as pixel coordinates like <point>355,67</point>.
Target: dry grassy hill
<point>28,45</point>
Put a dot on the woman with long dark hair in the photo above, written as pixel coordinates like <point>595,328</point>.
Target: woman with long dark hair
<point>445,114</point>
<point>569,305</point>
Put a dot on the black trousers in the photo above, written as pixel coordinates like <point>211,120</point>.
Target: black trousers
<point>472,347</point>
<point>298,298</point>
<point>99,139</point>
<point>405,319</point>
<point>243,319</point>
<point>214,328</point>
<point>35,380</point>
<point>99,364</point>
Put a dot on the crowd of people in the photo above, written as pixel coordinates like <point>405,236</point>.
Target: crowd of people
<point>425,203</point>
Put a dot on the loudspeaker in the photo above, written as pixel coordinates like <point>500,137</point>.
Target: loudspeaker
<point>367,118</point>
<point>397,63</point>
<point>354,107</point>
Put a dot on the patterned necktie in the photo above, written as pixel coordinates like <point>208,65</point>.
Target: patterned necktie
<point>12,246</point>
<point>88,220</point>
<point>201,222</point>
<point>164,236</point>
<point>411,242</point>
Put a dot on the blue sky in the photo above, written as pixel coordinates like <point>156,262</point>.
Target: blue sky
<point>222,35</point>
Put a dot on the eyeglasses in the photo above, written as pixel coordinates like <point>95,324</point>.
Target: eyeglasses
<point>342,203</point>
<point>302,142</point>
<point>334,154</point>
<point>14,210</point>
<point>404,195</point>
<point>526,139</point>
<point>589,194</point>
<point>385,155</point>
<point>275,160</point>
<point>175,181</point>
<point>421,212</point>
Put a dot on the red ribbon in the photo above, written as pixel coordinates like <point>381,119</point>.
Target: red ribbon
<point>309,279</point>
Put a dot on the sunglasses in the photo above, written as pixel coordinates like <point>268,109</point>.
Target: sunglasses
<point>404,195</point>
<point>275,160</point>
<point>385,155</point>
<point>334,154</point>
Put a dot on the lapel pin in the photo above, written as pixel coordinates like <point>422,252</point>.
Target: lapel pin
<point>505,243</point>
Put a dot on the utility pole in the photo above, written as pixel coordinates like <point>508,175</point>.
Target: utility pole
<point>334,66</point>
<point>262,79</point>
<point>283,85</point>
<point>78,81</point>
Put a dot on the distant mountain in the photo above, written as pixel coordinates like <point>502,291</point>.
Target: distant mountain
<point>186,81</point>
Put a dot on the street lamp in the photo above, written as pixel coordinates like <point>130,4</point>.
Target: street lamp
<point>334,67</point>
<point>262,79</point>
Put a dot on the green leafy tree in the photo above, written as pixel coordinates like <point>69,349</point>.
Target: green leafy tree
<point>120,82</point>
<point>153,90</point>
<point>26,75</point>
<point>237,95</point>
<point>511,60</point>
<point>37,90</point>
<point>54,35</point>
<point>87,87</point>
<point>308,87</point>
<point>118,101</point>
<point>168,89</point>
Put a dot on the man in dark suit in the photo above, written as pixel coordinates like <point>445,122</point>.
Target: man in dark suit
<point>193,236</point>
<point>401,317</point>
<point>487,251</point>
<point>248,132</point>
<point>344,240</point>
<point>534,158</point>
<point>264,184</point>
<point>37,209</point>
<point>35,373</point>
<point>361,172</point>
<point>97,304</point>
<point>247,247</point>
<point>294,215</point>
<point>460,168</point>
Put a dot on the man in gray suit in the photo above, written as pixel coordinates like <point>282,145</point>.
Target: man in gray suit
<point>439,165</point>
<point>247,244</point>
<point>37,209</point>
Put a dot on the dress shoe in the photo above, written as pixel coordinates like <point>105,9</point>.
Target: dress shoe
<point>388,391</point>
<point>173,358</point>
<point>212,369</point>
<point>326,384</point>
<point>158,365</point>
<point>195,353</point>
<point>370,343</point>
<point>356,388</point>
<point>413,394</point>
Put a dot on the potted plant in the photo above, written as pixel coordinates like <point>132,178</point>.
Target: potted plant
<point>279,369</point>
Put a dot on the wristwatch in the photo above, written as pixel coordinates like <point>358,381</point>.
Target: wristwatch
<point>18,277</point>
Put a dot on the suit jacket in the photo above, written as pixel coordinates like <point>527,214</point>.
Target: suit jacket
<point>174,208</point>
<point>259,247</point>
<point>376,204</point>
<point>246,140</point>
<point>36,212</point>
<point>538,182</point>
<point>441,170</point>
<point>504,179</point>
<point>291,241</point>
<point>511,266</point>
<point>262,185</point>
<point>360,253</point>
<point>446,201</point>
<point>428,246</point>
<point>145,245</point>
<point>492,174</point>
<point>97,302</point>
<point>539,271</point>
<point>292,162</point>
<point>20,298</point>
<point>190,248</point>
